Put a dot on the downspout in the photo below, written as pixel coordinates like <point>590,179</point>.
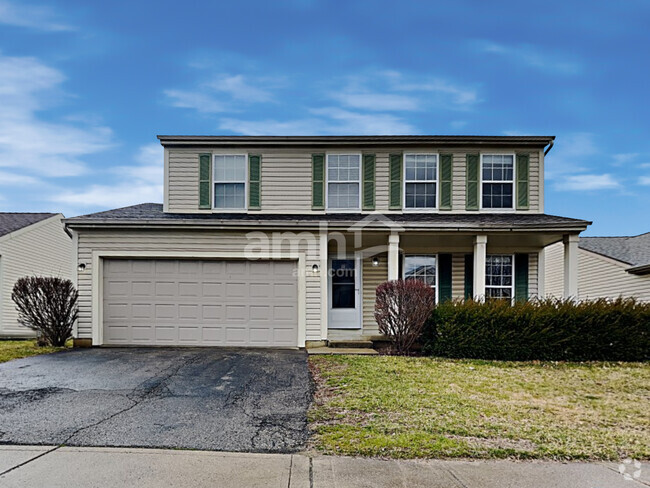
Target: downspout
<point>550,146</point>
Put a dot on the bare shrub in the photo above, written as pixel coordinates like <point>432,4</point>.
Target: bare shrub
<point>47,306</point>
<point>401,309</point>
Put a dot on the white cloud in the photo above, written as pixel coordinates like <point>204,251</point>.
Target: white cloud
<point>346,122</point>
<point>644,180</point>
<point>377,101</point>
<point>57,148</point>
<point>31,16</point>
<point>326,121</point>
<point>15,179</point>
<point>223,93</point>
<point>138,183</point>
<point>240,89</point>
<point>624,158</point>
<point>532,56</point>
<point>200,102</point>
<point>587,182</point>
<point>394,91</point>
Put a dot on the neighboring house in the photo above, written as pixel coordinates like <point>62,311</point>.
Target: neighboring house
<point>609,267</point>
<point>31,244</point>
<point>279,241</point>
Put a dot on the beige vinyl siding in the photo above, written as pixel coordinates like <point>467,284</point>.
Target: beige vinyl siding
<point>183,241</point>
<point>459,189</point>
<point>601,277</point>
<point>382,183</point>
<point>286,176</point>
<point>554,272</point>
<point>533,277</point>
<point>458,276</point>
<point>183,189</point>
<point>598,276</point>
<point>286,181</point>
<point>372,277</point>
<point>535,171</point>
<point>42,249</point>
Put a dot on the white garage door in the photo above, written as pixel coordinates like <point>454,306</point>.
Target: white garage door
<point>200,302</point>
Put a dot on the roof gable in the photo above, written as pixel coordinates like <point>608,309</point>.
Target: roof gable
<point>632,250</point>
<point>13,221</point>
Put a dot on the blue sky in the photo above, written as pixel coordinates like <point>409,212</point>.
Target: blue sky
<point>85,88</point>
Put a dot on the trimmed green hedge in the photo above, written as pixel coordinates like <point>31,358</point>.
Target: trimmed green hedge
<point>553,330</point>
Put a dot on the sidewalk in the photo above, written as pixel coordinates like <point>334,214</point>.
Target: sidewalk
<point>27,466</point>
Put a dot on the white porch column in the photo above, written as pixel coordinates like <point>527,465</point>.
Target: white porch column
<point>571,265</point>
<point>393,257</point>
<point>324,273</point>
<point>480,247</point>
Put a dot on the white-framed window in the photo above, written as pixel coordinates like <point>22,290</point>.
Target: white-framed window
<point>229,180</point>
<point>423,267</point>
<point>497,181</point>
<point>420,181</point>
<point>499,276</point>
<point>344,181</point>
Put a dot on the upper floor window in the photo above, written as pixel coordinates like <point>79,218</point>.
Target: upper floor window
<point>229,181</point>
<point>344,181</point>
<point>420,180</point>
<point>421,268</point>
<point>499,269</point>
<point>497,173</point>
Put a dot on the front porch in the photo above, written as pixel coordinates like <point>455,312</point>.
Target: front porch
<point>458,265</point>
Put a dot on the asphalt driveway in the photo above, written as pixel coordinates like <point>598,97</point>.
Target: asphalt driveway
<point>198,398</point>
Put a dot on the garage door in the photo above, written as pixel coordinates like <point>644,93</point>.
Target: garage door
<point>200,302</point>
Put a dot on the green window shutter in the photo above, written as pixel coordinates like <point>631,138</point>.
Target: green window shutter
<point>205,163</point>
<point>445,181</point>
<point>469,276</point>
<point>521,277</point>
<point>444,277</point>
<point>523,184</point>
<point>254,178</point>
<point>472,161</point>
<point>318,181</point>
<point>368,181</point>
<point>395,182</point>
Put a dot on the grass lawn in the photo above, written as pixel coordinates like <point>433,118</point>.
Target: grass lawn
<point>422,407</point>
<point>15,349</point>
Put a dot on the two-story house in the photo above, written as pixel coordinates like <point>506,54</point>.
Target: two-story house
<point>282,241</point>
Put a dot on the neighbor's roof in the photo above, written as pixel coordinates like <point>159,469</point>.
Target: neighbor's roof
<point>315,141</point>
<point>13,221</point>
<point>152,214</point>
<point>632,250</point>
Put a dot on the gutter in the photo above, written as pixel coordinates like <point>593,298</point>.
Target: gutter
<point>301,225</point>
<point>550,146</point>
<point>362,141</point>
<point>639,270</point>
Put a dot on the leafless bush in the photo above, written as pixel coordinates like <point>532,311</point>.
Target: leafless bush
<point>47,306</point>
<point>401,309</point>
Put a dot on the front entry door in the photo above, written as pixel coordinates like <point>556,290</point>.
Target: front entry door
<point>344,294</point>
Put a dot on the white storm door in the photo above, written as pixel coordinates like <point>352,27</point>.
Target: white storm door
<point>344,297</point>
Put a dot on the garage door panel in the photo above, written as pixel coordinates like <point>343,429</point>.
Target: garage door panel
<point>212,289</point>
<point>141,267</point>
<point>200,302</point>
<point>189,289</point>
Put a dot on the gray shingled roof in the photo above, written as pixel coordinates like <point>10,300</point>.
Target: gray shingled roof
<point>13,221</point>
<point>153,213</point>
<point>632,250</point>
